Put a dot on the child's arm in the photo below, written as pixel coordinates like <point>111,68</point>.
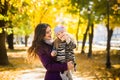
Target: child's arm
<point>71,43</point>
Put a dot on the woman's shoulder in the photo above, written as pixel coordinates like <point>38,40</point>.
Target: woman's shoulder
<point>44,48</point>
<point>45,45</point>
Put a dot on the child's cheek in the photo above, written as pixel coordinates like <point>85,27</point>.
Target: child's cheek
<point>59,36</point>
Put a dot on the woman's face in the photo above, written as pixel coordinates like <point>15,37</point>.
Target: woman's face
<point>48,34</point>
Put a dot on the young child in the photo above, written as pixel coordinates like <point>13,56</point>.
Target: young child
<point>63,49</point>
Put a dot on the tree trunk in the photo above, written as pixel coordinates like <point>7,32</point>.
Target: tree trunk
<point>10,41</point>
<point>26,40</point>
<point>109,36</point>
<point>77,32</point>
<point>84,40</point>
<point>85,35</point>
<point>91,40</point>
<point>3,51</point>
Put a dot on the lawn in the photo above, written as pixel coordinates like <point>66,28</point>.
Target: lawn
<point>93,68</point>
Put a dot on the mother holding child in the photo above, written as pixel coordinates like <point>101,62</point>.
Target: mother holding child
<point>56,56</point>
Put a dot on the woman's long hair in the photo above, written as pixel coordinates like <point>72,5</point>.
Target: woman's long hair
<point>39,34</point>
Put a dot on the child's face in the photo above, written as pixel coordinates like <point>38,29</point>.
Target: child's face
<point>60,34</point>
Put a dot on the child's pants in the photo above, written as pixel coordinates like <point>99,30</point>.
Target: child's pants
<point>66,75</point>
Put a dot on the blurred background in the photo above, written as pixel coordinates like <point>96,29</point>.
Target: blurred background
<point>95,24</point>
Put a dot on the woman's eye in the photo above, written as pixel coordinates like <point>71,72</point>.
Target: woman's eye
<point>48,32</point>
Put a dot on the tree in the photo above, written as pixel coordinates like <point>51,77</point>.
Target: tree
<point>84,8</point>
<point>10,38</point>
<point>77,8</point>
<point>105,13</point>
<point>3,51</point>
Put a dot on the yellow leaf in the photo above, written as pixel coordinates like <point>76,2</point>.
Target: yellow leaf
<point>0,30</point>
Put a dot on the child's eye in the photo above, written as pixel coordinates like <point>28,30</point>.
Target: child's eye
<point>61,31</point>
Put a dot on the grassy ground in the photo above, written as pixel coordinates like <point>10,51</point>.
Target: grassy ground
<point>17,59</point>
<point>93,68</point>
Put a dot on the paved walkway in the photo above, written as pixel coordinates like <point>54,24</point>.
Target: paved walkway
<point>38,74</point>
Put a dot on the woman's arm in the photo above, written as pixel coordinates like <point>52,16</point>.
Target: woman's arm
<point>50,64</point>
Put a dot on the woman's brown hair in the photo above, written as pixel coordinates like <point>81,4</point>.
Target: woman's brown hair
<point>39,35</point>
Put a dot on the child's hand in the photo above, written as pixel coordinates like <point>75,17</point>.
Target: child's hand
<point>53,53</point>
<point>66,38</point>
<point>63,38</point>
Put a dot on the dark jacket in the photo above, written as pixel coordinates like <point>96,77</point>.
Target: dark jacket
<point>53,68</point>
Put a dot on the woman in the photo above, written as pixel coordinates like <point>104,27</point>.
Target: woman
<point>42,47</point>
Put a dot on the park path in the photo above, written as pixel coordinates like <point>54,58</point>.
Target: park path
<point>38,74</point>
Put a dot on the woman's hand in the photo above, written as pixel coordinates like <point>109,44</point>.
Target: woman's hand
<point>70,65</point>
